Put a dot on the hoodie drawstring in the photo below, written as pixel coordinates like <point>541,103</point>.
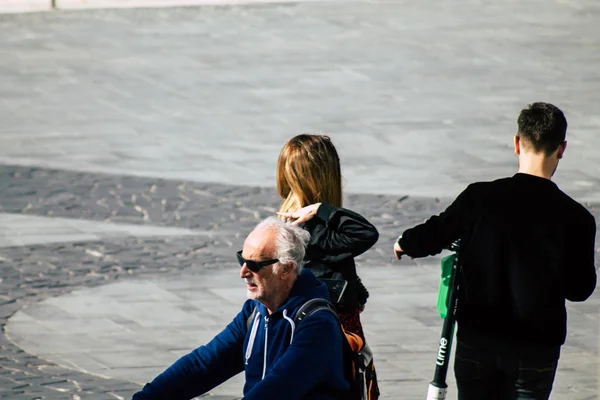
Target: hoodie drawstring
<point>254,330</point>
<point>252,336</point>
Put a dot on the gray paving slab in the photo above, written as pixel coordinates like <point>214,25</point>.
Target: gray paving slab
<point>86,4</point>
<point>23,230</point>
<point>421,98</point>
<point>176,315</point>
<point>93,331</point>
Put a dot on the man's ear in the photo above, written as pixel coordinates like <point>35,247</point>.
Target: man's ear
<point>517,144</point>
<point>287,269</point>
<point>561,149</point>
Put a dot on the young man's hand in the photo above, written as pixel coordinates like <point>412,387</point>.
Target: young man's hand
<point>398,251</point>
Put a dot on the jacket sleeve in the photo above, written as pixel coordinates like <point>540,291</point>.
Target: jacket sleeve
<point>314,357</point>
<point>439,231</point>
<point>204,368</point>
<point>580,271</point>
<point>346,234</point>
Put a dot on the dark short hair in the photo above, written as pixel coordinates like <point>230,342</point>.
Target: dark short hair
<point>543,126</point>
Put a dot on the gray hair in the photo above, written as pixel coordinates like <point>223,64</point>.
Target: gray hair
<point>291,243</point>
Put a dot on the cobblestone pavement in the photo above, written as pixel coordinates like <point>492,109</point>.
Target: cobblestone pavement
<point>420,98</point>
<point>33,273</point>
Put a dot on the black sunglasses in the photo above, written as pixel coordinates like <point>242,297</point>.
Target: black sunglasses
<point>252,265</point>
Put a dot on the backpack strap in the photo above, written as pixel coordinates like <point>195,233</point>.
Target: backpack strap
<point>315,305</point>
<point>312,306</point>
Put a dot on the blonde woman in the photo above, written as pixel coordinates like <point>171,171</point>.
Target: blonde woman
<point>309,181</point>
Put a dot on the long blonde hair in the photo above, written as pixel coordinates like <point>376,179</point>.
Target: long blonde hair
<point>308,172</point>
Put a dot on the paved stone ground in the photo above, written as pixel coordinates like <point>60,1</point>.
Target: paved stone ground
<point>19,6</point>
<point>421,98</point>
<point>33,273</point>
<point>22,230</point>
<point>15,6</point>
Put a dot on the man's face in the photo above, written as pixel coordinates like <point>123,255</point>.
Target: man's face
<point>264,284</point>
<point>260,286</point>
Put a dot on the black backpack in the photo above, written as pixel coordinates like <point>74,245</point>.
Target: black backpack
<point>358,358</point>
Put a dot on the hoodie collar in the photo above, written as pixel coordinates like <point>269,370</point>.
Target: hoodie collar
<point>306,287</point>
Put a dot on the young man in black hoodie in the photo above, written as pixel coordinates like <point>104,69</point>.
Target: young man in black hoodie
<point>525,247</point>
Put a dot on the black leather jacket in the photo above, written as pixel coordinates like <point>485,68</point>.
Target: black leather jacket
<point>337,236</point>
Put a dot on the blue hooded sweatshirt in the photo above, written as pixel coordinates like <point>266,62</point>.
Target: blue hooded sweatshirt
<point>280,361</point>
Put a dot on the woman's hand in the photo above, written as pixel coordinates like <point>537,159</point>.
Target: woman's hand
<point>302,215</point>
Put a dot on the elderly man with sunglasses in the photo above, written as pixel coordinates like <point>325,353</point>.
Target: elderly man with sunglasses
<point>280,361</point>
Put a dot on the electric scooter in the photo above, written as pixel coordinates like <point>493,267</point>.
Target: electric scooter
<point>447,307</point>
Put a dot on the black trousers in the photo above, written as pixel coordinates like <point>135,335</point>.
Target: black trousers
<point>489,374</point>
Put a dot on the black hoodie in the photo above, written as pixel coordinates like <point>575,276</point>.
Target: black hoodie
<point>525,247</point>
